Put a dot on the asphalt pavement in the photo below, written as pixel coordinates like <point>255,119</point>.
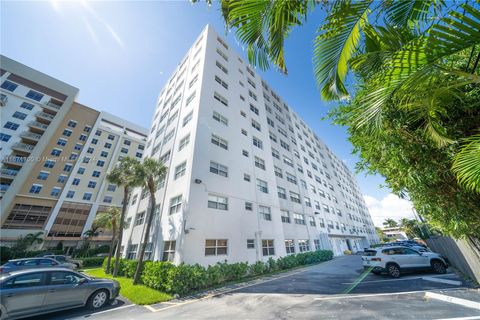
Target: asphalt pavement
<point>336,289</point>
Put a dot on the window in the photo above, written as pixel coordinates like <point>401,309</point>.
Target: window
<point>250,243</point>
<point>246,177</point>
<point>275,154</point>
<point>244,132</point>
<point>139,218</point>
<point>10,86</point>
<point>278,172</point>
<point>72,123</point>
<point>217,202</point>
<point>291,178</point>
<point>294,197</point>
<point>108,145</point>
<point>248,206</point>
<point>285,216</point>
<point>83,137</point>
<point>317,244</point>
<point>5,137</point>
<point>42,175</point>
<point>256,125</point>
<point>189,99</point>
<point>218,169</point>
<point>257,143</point>
<point>192,82</point>
<point>124,150</point>
<point>299,218</point>
<point>168,250</point>
<point>70,194</point>
<point>175,204</point>
<point>218,117</point>
<point>112,187</point>
<point>26,281</point>
<point>92,184</point>
<point>222,143</point>
<point>100,163</point>
<point>62,142</point>
<point>127,142</point>
<point>94,141</point>
<point>220,98</point>
<point>245,153</point>
<point>34,95</point>
<point>87,129</point>
<point>49,163</point>
<point>96,174</point>
<point>62,178</point>
<point>262,186</point>
<point>281,193</point>
<point>254,109</point>
<point>265,212</point>
<point>187,118</point>
<point>67,168</point>
<point>19,115</point>
<point>180,170</point>
<point>259,163</point>
<point>289,246</point>
<point>169,136</point>
<point>303,245</point>
<point>221,67</point>
<point>252,95</point>
<point>104,154</point>
<point>307,201</point>
<point>87,196</point>
<point>216,247</point>
<point>55,192</point>
<point>184,142</point>
<point>35,188</point>
<point>268,248</point>
<point>132,251</point>
<point>56,152</point>
<point>11,125</point>
<point>221,82</point>
<point>312,221</point>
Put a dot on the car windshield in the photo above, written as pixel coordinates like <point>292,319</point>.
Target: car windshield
<point>370,253</point>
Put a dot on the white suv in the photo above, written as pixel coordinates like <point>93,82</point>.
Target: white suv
<point>396,259</point>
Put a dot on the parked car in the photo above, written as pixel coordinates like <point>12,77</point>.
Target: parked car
<point>65,259</point>
<point>29,263</point>
<point>396,259</point>
<point>26,293</point>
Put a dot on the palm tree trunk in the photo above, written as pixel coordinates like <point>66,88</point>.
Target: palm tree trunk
<point>112,246</point>
<point>146,236</point>
<point>126,192</point>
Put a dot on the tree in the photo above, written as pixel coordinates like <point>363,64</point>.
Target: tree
<point>24,242</point>
<point>124,175</point>
<point>151,172</point>
<point>390,223</point>
<point>109,220</point>
<point>404,61</point>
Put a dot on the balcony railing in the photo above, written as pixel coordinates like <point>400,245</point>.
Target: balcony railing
<point>14,159</point>
<point>37,124</point>
<point>8,172</point>
<point>53,105</point>
<point>44,115</point>
<point>31,135</point>
<point>4,187</point>
<point>23,146</point>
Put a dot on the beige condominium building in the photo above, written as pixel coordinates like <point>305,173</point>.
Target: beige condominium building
<point>55,154</point>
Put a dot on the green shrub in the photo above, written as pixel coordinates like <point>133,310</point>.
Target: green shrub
<point>92,262</point>
<point>257,268</point>
<point>155,274</point>
<point>126,267</point>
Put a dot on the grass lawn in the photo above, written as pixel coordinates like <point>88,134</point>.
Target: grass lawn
<point>138,294</point>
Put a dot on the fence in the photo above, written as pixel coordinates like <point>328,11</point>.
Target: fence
<point>462,254</point>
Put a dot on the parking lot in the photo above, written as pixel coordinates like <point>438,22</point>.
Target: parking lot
<point>336,289</point>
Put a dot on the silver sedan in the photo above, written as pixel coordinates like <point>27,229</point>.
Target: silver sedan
<point>32,292</point>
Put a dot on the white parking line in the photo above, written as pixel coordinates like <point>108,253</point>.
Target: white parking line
<point>352,296</point>
<point>114,309</point>
<point>401,279</point>
<point>461,318</point>
<point>459,301</point>
<point>454,282</point>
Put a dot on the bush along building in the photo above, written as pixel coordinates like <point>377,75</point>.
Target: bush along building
<point>247,179</point>
<point>55,154</point>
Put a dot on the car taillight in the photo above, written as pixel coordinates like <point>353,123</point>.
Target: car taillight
<point>376,259</point>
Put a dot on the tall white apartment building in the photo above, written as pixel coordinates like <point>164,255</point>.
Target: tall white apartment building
<point>247,179</point>
<point>55,155</point>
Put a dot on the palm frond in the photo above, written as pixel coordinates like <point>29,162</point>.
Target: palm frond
<point>466,164</point>
<point>402,12</point>
<point>336,43</point>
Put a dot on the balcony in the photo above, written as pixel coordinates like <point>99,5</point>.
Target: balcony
<point>8,173</point>
<point>27,135</point>
<point>3,100</point>
<point>20,146</point>
<point>52,106</point>
<point>38,125</point>
<point>3,189</point>
<point>44,116</point>
<point>14,160</point>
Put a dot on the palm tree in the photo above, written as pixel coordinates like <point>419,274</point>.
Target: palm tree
<point>390,223</point>
<point>151,172</point>
<point>34,238</point>
<point>125,175</point>
<point>402,56</point>
<point>109,221</point>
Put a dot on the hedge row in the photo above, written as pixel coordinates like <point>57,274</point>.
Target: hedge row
<point>91,262</point>
<point>184,278</point>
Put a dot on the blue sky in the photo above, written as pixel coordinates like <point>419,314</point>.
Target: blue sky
<point>120,54</point>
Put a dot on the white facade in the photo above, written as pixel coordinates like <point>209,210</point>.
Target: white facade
<point>244,145</point>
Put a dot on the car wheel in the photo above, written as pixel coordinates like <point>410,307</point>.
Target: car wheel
<point>98,299</point>
<point>439,267</point>
<point>377,272</point>
<point>393,270</point>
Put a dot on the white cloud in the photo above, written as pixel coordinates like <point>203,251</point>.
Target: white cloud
<point>390,206</point>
